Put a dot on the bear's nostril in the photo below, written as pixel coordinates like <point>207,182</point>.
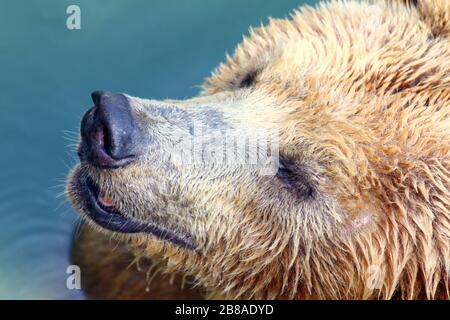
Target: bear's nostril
<point>100,136</point>
<point>108,130</point>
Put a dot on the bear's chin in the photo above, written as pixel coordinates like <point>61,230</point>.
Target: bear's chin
<point>85,196</point>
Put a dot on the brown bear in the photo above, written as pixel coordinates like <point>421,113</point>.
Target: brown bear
<point>356,97</point>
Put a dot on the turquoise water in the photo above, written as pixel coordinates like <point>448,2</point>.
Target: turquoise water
<point>147,48</point>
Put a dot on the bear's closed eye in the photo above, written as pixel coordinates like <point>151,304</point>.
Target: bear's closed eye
<point>248,80</point>
<point>295,178</point>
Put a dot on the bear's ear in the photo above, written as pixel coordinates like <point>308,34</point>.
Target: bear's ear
<point>435,13</point>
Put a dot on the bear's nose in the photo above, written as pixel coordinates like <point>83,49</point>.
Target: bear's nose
<point>109,134</point>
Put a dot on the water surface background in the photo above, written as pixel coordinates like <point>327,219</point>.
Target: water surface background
<point>151,48</point>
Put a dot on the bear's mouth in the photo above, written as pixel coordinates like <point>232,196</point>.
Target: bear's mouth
<point>98,207</point>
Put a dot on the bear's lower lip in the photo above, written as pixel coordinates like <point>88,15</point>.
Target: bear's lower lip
<point>115,221</point>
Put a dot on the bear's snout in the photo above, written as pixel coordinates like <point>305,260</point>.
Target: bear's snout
<point>109,135</point>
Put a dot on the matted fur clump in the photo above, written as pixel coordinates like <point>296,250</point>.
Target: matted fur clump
<point>360,93</point>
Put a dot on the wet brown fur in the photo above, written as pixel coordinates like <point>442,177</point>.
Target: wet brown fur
<point>361,94</point>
